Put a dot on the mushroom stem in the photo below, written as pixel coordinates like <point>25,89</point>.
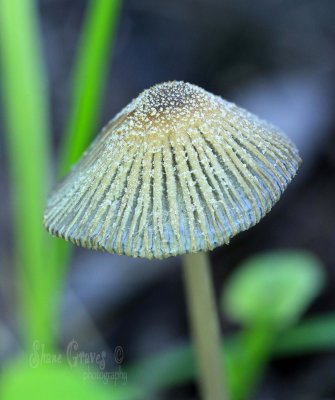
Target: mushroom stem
<point>204,325</point>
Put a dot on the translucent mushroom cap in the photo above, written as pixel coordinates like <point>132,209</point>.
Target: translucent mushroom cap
<point>178,170</point>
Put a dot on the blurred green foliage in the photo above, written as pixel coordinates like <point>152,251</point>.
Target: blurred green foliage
<point>25,95</point>
<point>28,135</point>
<point>273,288</point>
<point>258,283</point>
<point>313,334</point>
<point>58,381</point>
<point>267,295</point>
<point>89,79</point>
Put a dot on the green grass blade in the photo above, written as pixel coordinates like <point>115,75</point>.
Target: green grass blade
<point>27,132</point>
<point>89,78</point>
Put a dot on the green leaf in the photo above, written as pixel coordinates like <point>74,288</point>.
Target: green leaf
<point>247,355</point>
<point>273,289</point>
<point>89,77</point>
<point>165,369</point>
<point>313,334</point>
<point>176,365</point>
<point>59,381</point>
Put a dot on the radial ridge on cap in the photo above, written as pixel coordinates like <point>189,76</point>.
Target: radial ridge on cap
<point>178,170</point>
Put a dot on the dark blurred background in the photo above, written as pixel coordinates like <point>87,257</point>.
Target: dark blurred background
<point>274,57</point>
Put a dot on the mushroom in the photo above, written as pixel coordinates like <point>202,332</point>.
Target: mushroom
<point>178,171</point>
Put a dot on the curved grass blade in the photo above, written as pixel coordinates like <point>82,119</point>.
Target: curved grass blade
<point>89,76</point>
<point>27,134</point>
